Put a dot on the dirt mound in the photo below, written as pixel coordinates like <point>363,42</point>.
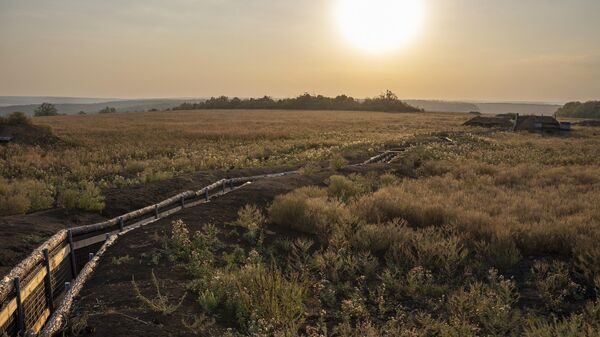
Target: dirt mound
<point>490,122</point>
<point>29,134</point>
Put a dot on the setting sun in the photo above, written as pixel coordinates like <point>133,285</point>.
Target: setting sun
<point>379,25</point>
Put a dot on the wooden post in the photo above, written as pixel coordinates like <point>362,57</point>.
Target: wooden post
<point>90,256</point>
<point>156,211</point>
<point>206,194</point>
<point>182,201</point>
<point>72,255</point>
<point>49,292</point>
<point>20,311</point>
<point>67,287</point>
<point>224,182</point>
<point>121,224</point>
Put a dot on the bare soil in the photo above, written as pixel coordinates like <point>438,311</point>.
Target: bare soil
<point>21,234</point>
<point>108,302</point>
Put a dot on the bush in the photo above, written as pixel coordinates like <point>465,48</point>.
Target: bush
<point>252,219</point>
<point>501,253</point>
<point>24,196</point>
<point>342,188</point>
<point>264,300</point>
<point>84,197</point>
<point>337,162</point>
<point>308,210</point>
<point>394,202</point>
<point>16,118</point>
<point>434,249</point>
<point>488,306</point>
<point>554,285</point>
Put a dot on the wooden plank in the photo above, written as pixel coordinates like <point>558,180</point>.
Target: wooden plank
<point>8,311</point>
<point>35,281</point>
<point>30,287</point>
<point>39,324</point>
<point>59,257</point>
<point>25,292</point>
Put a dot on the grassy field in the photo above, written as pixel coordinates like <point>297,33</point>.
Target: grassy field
<point>490,234</point>
<point>119,150</point>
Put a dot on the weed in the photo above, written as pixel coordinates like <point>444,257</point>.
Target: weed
<point>159,303</point>
<point>554,285</point>
<point>117,261</point>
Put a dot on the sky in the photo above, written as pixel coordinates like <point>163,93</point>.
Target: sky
<point>500,50</point>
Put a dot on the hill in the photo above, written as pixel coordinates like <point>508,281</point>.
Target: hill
<point>120,105</point>
<point>590,109</point>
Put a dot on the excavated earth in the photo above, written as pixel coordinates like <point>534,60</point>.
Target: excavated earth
<point>107,304</point>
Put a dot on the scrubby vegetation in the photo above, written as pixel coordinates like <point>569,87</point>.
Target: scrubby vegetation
<point>15,118</point>
<point>466,249</point>
<point>590,109</point>
<point>120,150</point>
<point>387,101</point>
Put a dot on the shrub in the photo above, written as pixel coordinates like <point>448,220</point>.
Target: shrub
<point>488,306</point>
<point>310,169</point>
<point>308,210</point>
<point>262,298</point>
<point>378,238</point>
<point>250,218</point>
<point>501,253</point>
<point>431,248</point>
<point>394,202</point>
<point>24,196</point>
<point>336,162</point>
<point>15,118</point>
<point>342,188</point>
<point>553,284</point>
<point>86,197</point>
<point>572,326</point>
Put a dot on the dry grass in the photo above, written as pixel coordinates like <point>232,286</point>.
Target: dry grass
<point>126,149</point>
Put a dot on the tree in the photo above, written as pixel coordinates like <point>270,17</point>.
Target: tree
<point>46,109</point>
<point>107,110</point>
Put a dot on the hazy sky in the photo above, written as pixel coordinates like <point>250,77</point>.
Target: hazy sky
<point>518,50</point>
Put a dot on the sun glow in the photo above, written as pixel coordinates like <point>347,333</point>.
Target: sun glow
<point>379,26</point>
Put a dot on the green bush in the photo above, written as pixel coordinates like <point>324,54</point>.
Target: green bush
<point>336,162</point>
<point>308,210</point>
<point>264,299</point>
<point>15,118</point>
<point>501,253</point>
<point>554,285</point>
<point>250,218</point>
<point>24,196</point>
<point>432,248</point>
<point>85,197</point>
<point>488,306</point>
<point>342,188</point>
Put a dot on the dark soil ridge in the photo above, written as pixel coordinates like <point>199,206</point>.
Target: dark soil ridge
<point>108,299</point>
<point>21,234</point>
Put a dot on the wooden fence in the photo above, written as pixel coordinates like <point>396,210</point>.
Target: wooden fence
<point>55,272</point>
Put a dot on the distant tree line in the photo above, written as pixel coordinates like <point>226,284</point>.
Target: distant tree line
<point>589,109</point>
<point>387,102</point>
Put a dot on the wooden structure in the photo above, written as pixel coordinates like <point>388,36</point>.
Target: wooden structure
<point>56,271</point>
